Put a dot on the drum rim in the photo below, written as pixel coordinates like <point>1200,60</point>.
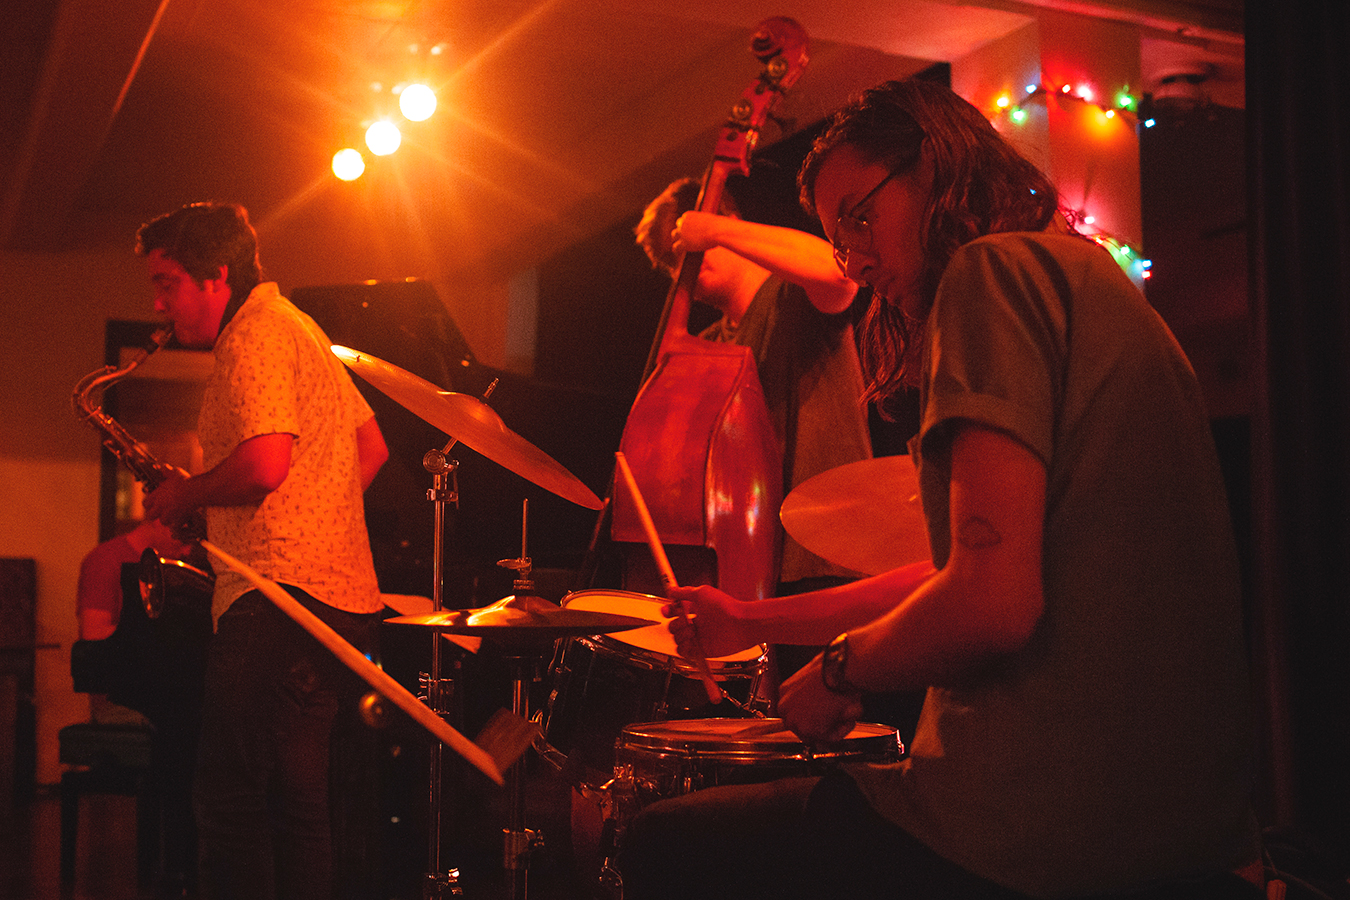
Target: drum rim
<point>632,740</point>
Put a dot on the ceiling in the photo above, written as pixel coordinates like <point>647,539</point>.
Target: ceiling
<point>557,117</point>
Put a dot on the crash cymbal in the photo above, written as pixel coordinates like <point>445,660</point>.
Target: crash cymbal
<point>523,619</point>
<point>471,422</point>
<point>865,516</point>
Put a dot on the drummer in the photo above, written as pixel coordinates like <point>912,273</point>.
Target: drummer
<point>781,295</point>
<point>1086,728</point>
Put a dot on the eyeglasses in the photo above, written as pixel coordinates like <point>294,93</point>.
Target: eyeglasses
<point>852,231</point>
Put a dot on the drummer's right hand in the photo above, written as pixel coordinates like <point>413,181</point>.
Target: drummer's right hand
<point>706,619</point>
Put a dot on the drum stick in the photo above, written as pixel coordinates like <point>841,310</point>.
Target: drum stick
<point>356,661</point>
<point>667,574</point>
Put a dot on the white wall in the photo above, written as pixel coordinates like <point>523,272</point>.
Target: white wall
<point>53,308</point>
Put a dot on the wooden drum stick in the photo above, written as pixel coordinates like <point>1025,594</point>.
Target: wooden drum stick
<point>715,693</point>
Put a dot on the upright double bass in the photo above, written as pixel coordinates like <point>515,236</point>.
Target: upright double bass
<point>699,439</point>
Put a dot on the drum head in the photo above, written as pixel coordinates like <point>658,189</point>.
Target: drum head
<point>652,638</point>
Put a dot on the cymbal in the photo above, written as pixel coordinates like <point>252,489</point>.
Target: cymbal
<point>865,516</point>
<point>471,422</point>
<point>523,619</point>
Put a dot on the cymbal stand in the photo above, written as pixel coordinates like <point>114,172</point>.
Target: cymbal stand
<point>445,489</point>
<point>519,841</point>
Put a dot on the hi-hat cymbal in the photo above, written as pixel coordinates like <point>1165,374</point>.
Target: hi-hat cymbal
<point>523,619</point>
<point>471,422</point>
<point>865,516</point>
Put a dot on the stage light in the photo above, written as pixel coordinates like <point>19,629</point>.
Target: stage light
<point>383,137</point>
<point>348,164</point>
<point>417,102</point>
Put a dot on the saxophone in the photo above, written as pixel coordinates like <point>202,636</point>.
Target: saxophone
<point>131,452</point>
<point>158,574</point>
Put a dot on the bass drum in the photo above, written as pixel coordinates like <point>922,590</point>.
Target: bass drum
<point>602,683</point>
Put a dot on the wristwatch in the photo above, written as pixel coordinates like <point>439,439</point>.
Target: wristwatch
<point>833,663</point>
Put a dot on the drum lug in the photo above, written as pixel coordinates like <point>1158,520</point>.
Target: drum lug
<point>517,847</point>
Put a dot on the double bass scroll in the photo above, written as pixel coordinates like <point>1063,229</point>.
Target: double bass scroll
<point>781,45</point>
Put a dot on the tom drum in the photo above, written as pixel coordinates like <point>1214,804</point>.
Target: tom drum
<point>602,683</point>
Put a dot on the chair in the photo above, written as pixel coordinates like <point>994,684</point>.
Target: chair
<point>109,759</point>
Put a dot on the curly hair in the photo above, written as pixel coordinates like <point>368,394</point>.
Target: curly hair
<point>202,237</point>
<point>653,231</point>
<point>981,185</point>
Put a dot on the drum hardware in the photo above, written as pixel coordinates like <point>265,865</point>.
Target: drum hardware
<point>525,627</point>
<point>438,881</point>
<point>523,624</point>
<point>518,842</point>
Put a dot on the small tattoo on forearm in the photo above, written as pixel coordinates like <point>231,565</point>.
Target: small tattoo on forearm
<point>978,534</point>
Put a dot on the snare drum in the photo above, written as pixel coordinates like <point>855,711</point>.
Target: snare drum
<point>659,760</point>
<point>670,759</point>
<point>601,683</point>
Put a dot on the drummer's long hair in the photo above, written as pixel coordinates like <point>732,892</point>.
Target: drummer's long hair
<point>981,185</point>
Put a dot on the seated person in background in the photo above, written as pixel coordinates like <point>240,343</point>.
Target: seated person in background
<point>158,675</point>
<point>1086,730</point>
<point>98,595</point>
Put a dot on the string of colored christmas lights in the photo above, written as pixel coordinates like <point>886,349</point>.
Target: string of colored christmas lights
<point>1126,105</point>
<point>1016,112</point>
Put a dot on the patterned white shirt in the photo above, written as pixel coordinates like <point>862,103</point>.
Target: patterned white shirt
<point>274,374</point>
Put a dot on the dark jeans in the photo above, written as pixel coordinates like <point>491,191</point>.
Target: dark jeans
<point>815,838</point>
<point>261,788</point>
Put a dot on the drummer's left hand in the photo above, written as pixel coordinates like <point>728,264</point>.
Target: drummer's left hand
<point>815,712</point>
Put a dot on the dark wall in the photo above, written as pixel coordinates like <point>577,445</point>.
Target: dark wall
<point>1299,195</point>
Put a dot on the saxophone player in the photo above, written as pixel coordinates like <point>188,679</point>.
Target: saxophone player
<point>289,446</point>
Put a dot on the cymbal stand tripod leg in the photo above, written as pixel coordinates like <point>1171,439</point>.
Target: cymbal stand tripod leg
<point>438,883</point>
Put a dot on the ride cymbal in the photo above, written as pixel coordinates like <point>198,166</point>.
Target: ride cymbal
<point>865,516</point>
<point>471,422</point>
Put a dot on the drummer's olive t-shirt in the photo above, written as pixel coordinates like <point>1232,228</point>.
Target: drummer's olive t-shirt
<point>1114,747</point>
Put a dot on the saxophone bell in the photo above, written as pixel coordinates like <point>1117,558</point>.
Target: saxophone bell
<point>162,579</point>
